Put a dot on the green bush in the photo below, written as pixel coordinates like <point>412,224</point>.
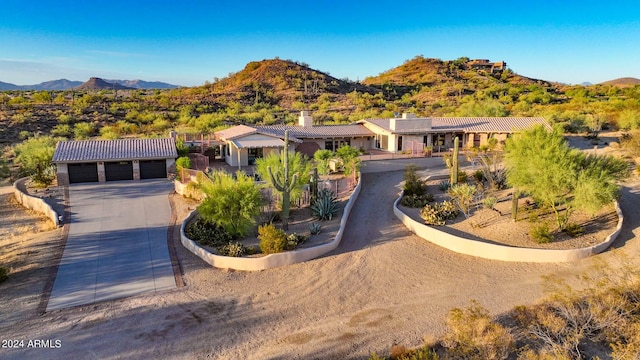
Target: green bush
<point>293,240</point>
<point>489,202</point>
<point>541,233</point>
<point>478,175</point>
<point>326,205</point>
<point>413,185</point>
<point>234,249</point>
<point>439,213</point>
<point>416,201</point>
<point>574,230</point>
<point>207,233</point>
<point>272,239</point>
<point>4,274</point>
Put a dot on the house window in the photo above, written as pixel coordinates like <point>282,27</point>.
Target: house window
<point>399,143</point>
<point>256,153</point>
<point>476,140</point>
<point>425,140</point>
<point>328,145</point>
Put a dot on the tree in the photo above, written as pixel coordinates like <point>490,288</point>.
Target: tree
<point>628,119</point>
<point>34,157</point>
<point>231,203</point>
<point>350,160</point>
<point>541,164</point>
<point>322,158</point>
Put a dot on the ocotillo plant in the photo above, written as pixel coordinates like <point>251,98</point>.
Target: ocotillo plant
<point>284,184</point>
<point>454,161</point>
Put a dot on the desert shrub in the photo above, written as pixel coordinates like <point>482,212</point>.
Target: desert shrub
<point>462,176</point>
<point>574,230</point>
<point>489,202</point>
<point>541,233</point>
<point>83,130</point>
<point>463,194</point>
<point>63,130</point>
<point>315,228</point>
<point>233,249</point>
<point>326,205</point>
<point>416,201</point>
<point>438,213</point>
<point>182,162</point>
<point>4,274</point>
<point>272,239</point>
<point>44,177</point>
<point>413,185</point>
<point>478,176</point>
<point>401,353</point>
<point>444,185</point>
<point>472,334</point>
<point>293,240</point>
<point>207,233</point>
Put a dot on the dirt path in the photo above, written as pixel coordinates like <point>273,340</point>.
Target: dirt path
<point>382,286</point>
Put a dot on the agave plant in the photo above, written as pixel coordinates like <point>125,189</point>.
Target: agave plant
<point>326,206</point>
<point>315,228</point>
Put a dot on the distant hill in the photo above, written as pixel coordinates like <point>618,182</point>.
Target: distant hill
<point>141,84</point>
<point>623,82</point>
<point>64,84</point>
<point>8,86</point>
<point>95,83</point>
<point>282,81</point>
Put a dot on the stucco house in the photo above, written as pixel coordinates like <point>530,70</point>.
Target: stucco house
<point>243,143</point>
<point>110,160</point>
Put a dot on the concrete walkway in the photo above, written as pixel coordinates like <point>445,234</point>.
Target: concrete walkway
<point>117,243</point>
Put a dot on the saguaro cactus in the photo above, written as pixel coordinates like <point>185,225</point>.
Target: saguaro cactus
<point>454,161</point>
<point>284,185</point>
<point>314,185</point>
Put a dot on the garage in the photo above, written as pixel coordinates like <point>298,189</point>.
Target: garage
<point>119,170</point>
<point>83,172</point>
<point>153,169</point>
<point>113,160</point>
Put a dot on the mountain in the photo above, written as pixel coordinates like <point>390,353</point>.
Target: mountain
<point>141,84</point>
<point>95,83</point>
<point>62,84</point>
<point>623,82</point>
<point>8,86</point>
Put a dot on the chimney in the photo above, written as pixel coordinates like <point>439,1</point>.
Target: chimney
<point>305,120</point>
<point>408,116</point>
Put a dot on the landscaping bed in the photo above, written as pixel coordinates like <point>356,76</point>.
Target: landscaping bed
<point>496,226</point>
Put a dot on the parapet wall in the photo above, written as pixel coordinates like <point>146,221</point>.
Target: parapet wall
<point>32,202</point>
<point>501,252</point>
<point>272,260</point>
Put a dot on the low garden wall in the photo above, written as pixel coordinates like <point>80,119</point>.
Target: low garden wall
<point>272,260</point>
<point>32,202</point>
<point>502,252</point>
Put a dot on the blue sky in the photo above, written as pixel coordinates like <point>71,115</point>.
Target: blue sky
<point>190,42</point>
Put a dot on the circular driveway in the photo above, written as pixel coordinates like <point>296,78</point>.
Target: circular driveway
<point>117,243</point>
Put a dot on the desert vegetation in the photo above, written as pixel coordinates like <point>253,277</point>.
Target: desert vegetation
<point>601,318</point>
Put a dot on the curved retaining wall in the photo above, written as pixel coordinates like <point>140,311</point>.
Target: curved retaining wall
<point>32,202</point>
<point>502,252</point>
<point>272,260</point>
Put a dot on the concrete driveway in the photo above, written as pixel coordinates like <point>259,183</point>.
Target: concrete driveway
<point>117,243</point>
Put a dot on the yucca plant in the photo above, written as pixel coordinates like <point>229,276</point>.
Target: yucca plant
<point>326,206</point>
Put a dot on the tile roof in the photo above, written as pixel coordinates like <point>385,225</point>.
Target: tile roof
<point>467,124</point>
<point>321,131</point>
<point>121,149</point>
<point>235,132</point>
<point>259,143</point>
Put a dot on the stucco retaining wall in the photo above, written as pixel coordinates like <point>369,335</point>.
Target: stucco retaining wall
<point>179,187</point>
<point>272,260</point>
<point>501,252</point>
<point>32,202</point>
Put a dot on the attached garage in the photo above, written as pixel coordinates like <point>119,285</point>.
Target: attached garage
<point>83,172</point>
<point>119,170</point>
<point>112,160</point>
<point>153,169</point>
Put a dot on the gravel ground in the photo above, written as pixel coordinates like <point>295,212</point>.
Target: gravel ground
<point>382,286</point>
